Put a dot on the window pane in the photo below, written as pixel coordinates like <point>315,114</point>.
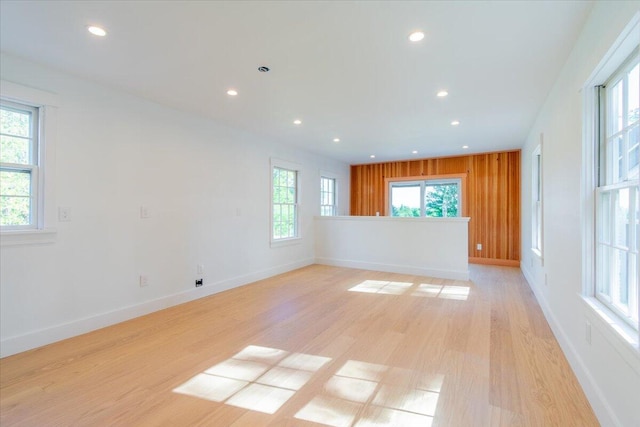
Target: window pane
<point>15,183</point>
<point>15,210</point>
<point>615,103</point>
<point>538,242</point>
<point>637,219</point>
<point>15,123</point>
<point>621,220</point>
<point>619,155</point>
<point>604,227</point>
<point>604,272</point>
<point>634,144</point>
<point>538,178</point>
<point>620,283</point>
<point>633,92</point>
<point>441,200</point>
<point>15,150</point>
<point>405,200</point>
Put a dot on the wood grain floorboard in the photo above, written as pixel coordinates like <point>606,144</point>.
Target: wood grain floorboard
<point>313,347</point>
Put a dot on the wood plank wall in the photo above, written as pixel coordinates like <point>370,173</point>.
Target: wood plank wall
<point>492,198</point>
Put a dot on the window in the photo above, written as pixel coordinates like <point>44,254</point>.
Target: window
<point>327,196</point>
<point>617,200</point>
<point>285,203</point>
<point>536,202</point>
<point>19,166</point>
<point>438,197</point>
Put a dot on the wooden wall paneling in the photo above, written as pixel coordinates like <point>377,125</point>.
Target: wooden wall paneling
<point>415,168</point>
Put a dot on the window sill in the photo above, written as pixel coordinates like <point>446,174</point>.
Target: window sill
<point>623,338</point>
<point>537,253</point>
<point>286,242</point>
<point>28,237</point>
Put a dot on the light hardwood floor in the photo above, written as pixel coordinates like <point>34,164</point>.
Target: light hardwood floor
<point>316,346</point>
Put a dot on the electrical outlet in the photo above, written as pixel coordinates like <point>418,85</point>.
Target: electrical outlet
<point>198,283</point>
<point>64,214</point>
<point>145,212</point>
<point>200,269</point>
<point>479,246</point>
<point>143,280</point>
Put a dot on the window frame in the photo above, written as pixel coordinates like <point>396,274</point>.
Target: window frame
<point>460,179</point>
<point>624,338</point>
<point>613,179</point>
<point>32,167</point>
<point>292,167</point>
<point>47,103</point>
<point>537,203</point>
<point>334,194</point>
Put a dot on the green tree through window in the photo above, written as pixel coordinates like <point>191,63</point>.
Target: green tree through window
<point>441,200</point>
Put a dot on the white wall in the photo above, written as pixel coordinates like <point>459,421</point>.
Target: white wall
<point>436,247</point>
<point>610,378</point>
<point>207,189</point>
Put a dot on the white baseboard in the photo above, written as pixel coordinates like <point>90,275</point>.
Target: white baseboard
<point>605,414</point>
<point>393,268</point>
<point>18,344</point>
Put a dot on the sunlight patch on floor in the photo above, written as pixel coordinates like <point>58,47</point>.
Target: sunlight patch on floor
<point>382,287</point>
<point>460,293</point>
<point>257,378</point>
<point>426,290</point>
<point>368,394</point>
<point>359,393</point>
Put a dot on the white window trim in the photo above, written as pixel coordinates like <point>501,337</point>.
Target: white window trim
<point>47,103</point>
<point>331,175</point>
<point>622,337</point>
<point>537,172</point>
<point>284,164</point>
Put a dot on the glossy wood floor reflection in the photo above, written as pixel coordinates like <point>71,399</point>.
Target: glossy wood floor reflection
<point>316,346</point>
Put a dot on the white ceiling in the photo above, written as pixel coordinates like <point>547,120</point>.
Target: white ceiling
<point>346,69</point>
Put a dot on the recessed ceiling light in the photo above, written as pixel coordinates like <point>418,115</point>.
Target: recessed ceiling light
<point>442,94</point>
<point>465,146</point>
<point>336,139</point>
<point>455,123</point>
<point>373,156</point>
<point>97,31</point>
<point>416,36</point>
<point>414,152</point>
<point>232,92</point>
<point>297,122</point>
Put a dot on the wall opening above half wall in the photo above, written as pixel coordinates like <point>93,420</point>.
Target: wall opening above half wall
<point>490,197</point>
